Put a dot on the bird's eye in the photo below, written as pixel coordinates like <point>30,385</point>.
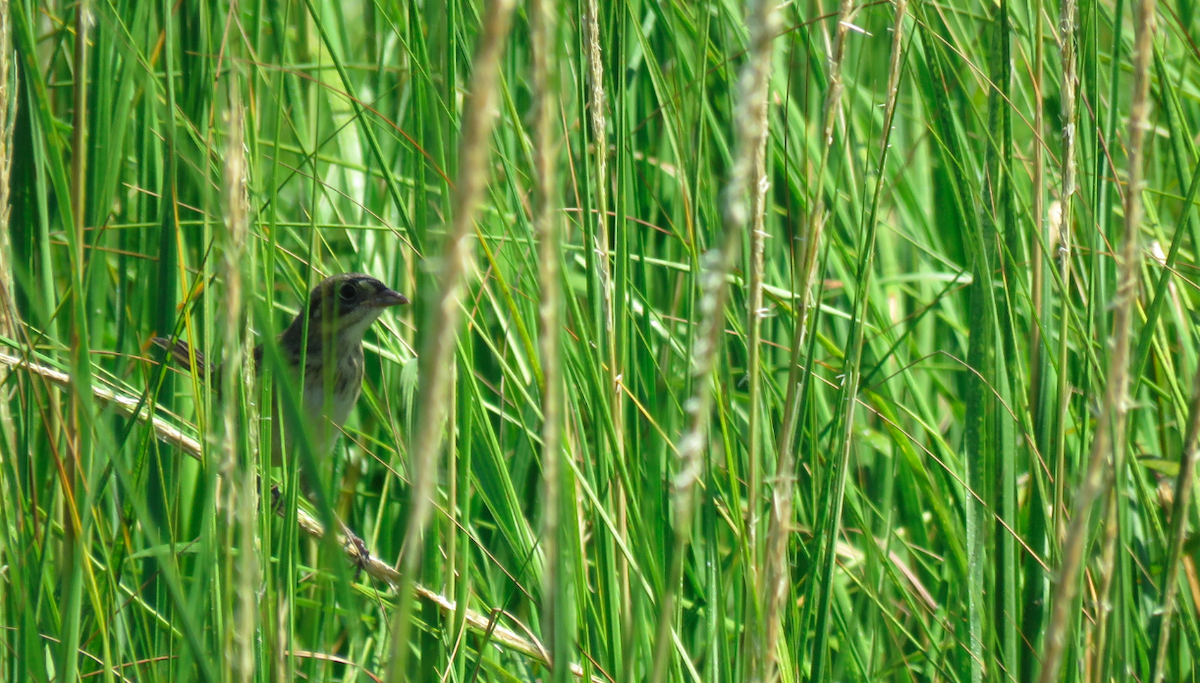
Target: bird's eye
<point>348,291</point>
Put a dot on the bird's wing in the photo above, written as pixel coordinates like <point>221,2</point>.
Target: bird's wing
<point>179,352</point>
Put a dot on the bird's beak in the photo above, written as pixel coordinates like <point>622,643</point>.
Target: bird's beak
<point>388,298</point>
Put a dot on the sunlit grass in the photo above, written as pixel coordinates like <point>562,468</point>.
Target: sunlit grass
<point>862,463</point>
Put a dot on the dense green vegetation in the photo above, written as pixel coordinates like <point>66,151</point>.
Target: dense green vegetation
<point>820,342</point>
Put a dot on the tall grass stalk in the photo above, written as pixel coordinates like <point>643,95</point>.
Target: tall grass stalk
<point>557,536</point>
<point>438,353</point>
<point>1108,446</point>
<point>9,320</point>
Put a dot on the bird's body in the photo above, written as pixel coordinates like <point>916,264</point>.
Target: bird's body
<point>327,333</point>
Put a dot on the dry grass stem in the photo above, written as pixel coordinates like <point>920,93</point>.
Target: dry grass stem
<point>1108,444</point>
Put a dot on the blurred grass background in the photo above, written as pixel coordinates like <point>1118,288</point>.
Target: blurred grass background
<point>836,403</point>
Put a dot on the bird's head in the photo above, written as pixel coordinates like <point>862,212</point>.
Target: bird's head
<point>343,306</point>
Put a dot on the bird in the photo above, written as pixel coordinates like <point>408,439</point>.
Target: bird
<point>333,321</point>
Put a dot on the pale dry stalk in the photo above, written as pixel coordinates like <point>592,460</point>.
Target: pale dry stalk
<point>1109,442</point>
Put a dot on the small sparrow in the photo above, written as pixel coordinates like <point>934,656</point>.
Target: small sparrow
<point>338,313</point>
